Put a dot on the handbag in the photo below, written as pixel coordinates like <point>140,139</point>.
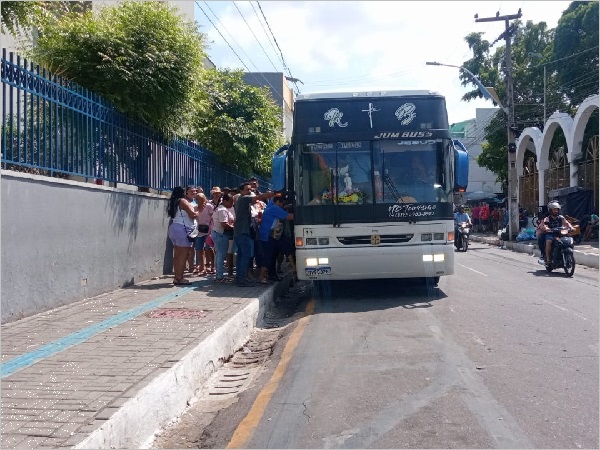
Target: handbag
<point>192,233</point>
<point>202,229</point>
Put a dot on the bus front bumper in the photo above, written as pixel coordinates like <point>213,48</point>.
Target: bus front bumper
<point>415,261</point>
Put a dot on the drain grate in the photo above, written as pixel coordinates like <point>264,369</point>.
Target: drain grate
<point>177,313</point>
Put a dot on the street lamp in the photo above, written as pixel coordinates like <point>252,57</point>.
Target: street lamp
<point>490,93</point>
<point>294,80</point>
<point>487,92</point>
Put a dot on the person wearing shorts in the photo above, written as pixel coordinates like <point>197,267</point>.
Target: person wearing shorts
<point>183,216</point>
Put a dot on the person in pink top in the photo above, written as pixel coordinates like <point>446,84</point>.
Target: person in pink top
<point>475,217</point>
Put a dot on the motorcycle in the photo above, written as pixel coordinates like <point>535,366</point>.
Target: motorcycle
<point>461,240</point>
<point>561,252</point>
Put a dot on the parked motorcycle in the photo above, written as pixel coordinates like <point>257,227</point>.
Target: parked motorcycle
<point>461,240</point>
<point>562,252</point>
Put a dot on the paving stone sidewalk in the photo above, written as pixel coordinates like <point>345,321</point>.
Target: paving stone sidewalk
<point>66,372</point>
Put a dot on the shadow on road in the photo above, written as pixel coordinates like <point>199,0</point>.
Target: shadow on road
<point>369,295</point>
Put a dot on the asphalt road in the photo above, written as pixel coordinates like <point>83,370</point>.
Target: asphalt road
<point>501,355</point>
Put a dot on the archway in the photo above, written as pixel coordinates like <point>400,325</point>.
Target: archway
<point>528,183</point>
<point>587,172</point>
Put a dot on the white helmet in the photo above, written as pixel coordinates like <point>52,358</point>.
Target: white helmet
<point>552,205</point>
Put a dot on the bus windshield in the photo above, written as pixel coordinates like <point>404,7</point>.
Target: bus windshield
<point>375,172</point>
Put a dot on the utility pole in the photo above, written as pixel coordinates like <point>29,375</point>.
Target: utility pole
<point>513,206</point>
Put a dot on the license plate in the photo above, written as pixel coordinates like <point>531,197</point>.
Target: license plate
<point>314,271</point>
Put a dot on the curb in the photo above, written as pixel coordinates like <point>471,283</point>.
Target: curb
<point>168,394</point>
<point>583,258</point>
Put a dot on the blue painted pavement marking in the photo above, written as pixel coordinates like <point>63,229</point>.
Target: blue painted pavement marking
<point>47,350</point>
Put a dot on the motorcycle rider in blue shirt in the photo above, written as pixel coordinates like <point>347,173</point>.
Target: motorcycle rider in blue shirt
<point>460,216</point>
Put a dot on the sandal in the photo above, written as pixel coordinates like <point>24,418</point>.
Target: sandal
<point>177,282</point>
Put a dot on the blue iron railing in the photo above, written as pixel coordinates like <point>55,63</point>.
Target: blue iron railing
<point>52,126</point>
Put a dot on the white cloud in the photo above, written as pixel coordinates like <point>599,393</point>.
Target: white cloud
<point>367,44</point>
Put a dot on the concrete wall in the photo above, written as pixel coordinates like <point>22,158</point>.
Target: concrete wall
<point>63,241</point>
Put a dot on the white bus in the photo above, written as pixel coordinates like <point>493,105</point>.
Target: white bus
<point>372,176</point>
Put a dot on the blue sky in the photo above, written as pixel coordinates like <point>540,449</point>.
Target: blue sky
<point>361,44</point>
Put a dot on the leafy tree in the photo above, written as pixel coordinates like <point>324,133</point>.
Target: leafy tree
<point>141,56</point>
<point>238,122</point>
<point>576,41</point>
<point>493,155</point>
<point>528,46</point>
<point>17,16</point>
<point>25,17</point>
<point>533,47</point>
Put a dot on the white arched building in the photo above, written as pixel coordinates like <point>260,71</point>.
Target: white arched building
<point>532,174</point>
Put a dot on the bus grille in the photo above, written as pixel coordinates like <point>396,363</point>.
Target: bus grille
<point>366,240</point>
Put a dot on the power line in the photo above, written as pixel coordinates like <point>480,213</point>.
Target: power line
<point>279,48</point>
<point>565,57</point>
<point>265,31</point>
<point>252,31</point>
<point>221,34</point>
<point>248,71</point>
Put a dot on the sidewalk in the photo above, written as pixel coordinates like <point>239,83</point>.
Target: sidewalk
<point>107,372</point>
<point>586,253</point>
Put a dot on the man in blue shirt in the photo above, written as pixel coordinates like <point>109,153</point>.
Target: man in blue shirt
<point>269,235</point>
<point>241,231</point>
<point>460,216</point>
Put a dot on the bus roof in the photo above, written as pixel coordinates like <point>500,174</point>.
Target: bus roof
<point>365,94</point>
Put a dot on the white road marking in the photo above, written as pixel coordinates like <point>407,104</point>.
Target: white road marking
<point>579,316</point>
<point>476,271</point>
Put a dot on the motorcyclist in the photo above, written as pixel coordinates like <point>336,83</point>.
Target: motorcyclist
<point>552,220</point>
<point>460,216</point>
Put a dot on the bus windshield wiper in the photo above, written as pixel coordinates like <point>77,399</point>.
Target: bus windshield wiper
<point>390,184</point>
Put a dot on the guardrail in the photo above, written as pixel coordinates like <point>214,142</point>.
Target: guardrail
<point>52,126</point>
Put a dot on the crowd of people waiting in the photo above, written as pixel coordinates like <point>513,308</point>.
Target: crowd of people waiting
<point>486,218</point>
<point>255,229</point>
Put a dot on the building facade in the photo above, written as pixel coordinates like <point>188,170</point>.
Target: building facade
<point>472,134</point>
<point>281,93</point>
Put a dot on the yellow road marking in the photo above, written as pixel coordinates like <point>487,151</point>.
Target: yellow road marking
<point>247,426</point>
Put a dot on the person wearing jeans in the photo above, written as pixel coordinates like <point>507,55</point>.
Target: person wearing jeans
<point>241,231</point>
<point>222,220</point>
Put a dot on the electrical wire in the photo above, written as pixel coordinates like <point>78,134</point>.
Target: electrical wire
<point>277,44</point>
<point>249,72</point>
<point>221,34</point>
<point>265,31</point>
<point>252,31</point>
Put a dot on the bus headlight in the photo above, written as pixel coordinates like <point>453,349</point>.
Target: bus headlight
<point>426,237</point>
<point>317,262</point>
<point>438,257</point>
<point>311,241</point>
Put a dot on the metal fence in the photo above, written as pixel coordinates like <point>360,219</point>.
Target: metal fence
<point>52,126</point>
